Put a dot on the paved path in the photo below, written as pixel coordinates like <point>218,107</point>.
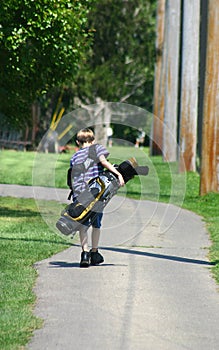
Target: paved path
<point>154,290</point>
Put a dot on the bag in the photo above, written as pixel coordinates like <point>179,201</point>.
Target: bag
<point>99,192</point>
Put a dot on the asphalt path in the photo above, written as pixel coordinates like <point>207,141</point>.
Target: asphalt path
<point>153,291</point>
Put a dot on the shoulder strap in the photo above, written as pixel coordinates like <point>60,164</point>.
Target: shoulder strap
<point>90,160</point>
<point>93,153</point>
<point>83,167</point>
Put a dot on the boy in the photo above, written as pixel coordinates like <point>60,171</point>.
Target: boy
<point>85,138</point>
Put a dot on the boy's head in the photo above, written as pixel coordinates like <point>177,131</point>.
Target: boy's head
<point>85,136</point>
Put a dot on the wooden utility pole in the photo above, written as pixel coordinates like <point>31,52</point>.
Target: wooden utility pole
<point>158,110</point>
<point>172,38</point>
<point>189,85</point>
<point>210,130</point>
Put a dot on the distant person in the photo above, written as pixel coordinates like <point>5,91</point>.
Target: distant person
<point>85,138</point>
<point>140,138</point>
<point>109,136</point>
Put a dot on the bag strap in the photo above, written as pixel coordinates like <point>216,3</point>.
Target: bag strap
<point>92,154</point>
<point>83,167</point>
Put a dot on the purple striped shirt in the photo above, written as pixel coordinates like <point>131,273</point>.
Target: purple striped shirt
<point>79,182</point>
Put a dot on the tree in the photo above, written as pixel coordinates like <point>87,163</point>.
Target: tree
<point>41,45</point>
<point>121,64</point>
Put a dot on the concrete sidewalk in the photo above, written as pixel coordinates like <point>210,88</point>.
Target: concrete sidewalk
<point>154,290</point>
<point>37,192</point>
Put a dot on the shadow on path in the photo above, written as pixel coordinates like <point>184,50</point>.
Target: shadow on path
<point>159,256</point>
<point>63,264</point>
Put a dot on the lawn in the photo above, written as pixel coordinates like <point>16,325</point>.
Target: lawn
<point>26,238</point>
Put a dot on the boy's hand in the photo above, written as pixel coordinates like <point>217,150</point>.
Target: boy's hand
<point>121,180</point>
<point>106,164</point>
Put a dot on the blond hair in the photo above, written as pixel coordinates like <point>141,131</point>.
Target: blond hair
<point>85,135</point>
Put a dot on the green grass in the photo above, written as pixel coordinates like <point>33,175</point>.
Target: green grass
<point>28,168</point>
<point>25,241</point>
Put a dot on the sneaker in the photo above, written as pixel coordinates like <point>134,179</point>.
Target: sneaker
<point>85,259</point>
<point>96,258</point>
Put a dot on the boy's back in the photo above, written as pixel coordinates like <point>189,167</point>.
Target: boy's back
<point>90,168</point>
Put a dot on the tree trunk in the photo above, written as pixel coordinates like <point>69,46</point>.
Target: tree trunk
<point>158,110</point>
<point>172,37</point>
<point>189,85</point>
<point>210,131</point>
<point>35,120</point>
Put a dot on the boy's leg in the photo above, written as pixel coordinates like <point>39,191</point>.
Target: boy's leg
<point>95,238</point>
<point>96,224</point>
<point>84,237</point>
<point>85,255</point>
<point>96,257</point>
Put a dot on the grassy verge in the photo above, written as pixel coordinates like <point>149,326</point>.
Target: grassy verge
<point>25,238</point>
<point>19,167</point>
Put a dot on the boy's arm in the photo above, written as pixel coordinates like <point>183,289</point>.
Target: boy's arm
<point>106,164</point>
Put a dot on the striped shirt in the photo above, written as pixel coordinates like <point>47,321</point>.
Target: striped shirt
<point>79,182</point>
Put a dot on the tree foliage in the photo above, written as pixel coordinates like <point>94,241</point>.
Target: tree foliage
<point>41,45</point>
<point>121,64</point>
